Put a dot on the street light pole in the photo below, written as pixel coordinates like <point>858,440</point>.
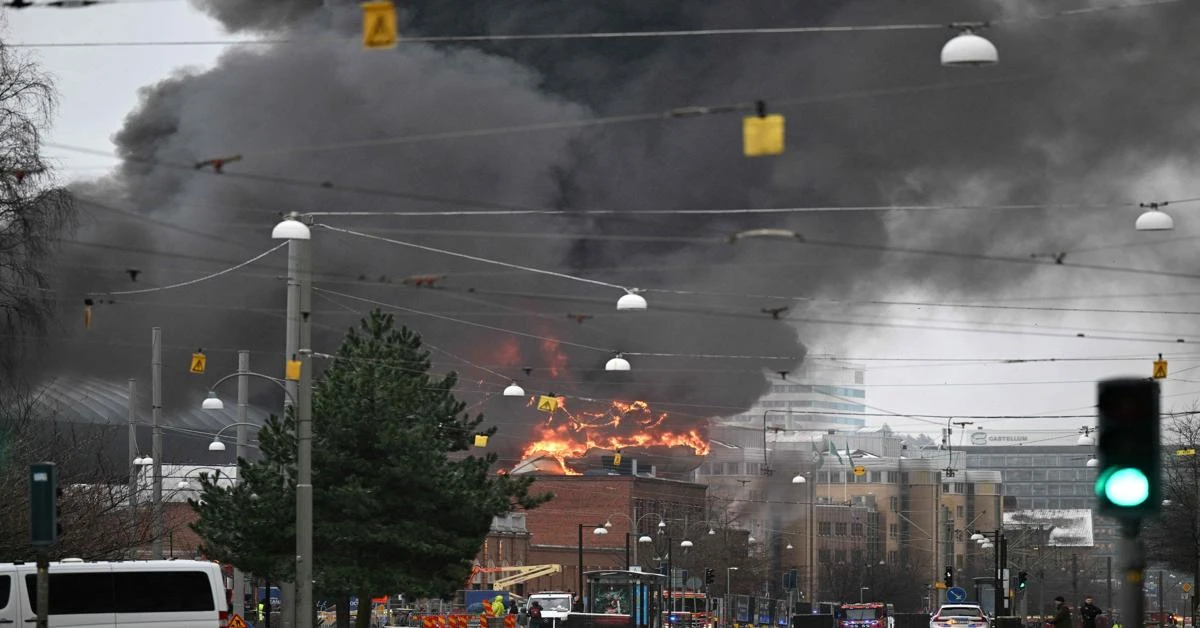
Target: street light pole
<point>243,402</point>
<point>298,235</point>
<point>600,529</point>
<point>156,548</point>
<point>728,610</point>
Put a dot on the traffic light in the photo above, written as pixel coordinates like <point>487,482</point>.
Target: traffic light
<point>43,504</point>
<point>1022,578</point>
<point>1127,481</point>
<point>710,576</point>
<point>948,578</point>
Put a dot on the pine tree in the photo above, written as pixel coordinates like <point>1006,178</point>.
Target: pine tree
<point>399,507</point>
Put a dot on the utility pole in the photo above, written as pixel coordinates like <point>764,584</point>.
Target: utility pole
<point>238,605</point>
<point>1074,578</point>
<point>288,590</point>
<point>134,469</point>
<point>1109,603</point>
<point>1160,595</point>
<point>304,488</point>
<point>156,546</point>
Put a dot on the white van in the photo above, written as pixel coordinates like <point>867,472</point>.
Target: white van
<point>133,594</point>
<point>556,605</point>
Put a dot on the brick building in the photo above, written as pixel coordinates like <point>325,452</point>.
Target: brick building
<point>632,505</point>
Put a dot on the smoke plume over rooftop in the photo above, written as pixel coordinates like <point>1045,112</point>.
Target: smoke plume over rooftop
<point>884,123</point>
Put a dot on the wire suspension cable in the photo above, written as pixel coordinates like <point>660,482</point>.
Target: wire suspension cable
<point>198,279</point>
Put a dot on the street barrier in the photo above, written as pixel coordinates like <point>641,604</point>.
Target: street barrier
<point>466,621</point>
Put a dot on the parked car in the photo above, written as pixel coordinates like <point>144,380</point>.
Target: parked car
<point>959,616</point>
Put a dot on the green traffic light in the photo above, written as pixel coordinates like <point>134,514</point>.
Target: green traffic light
<point>1125,487</point>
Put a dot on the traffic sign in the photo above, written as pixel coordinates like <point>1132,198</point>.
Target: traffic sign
<point>379,25</point>
<point>1160,369</point>
<point>198,362</point>
<point>547,404</point>
<point>860,471</point>
<point>236,621</point>
<point>956,595</point>
<point>1187,587</point>
<point>939,585</point>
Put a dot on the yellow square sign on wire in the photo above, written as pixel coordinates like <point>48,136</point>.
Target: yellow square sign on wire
<point>762,135</point>
<point>1160,369</point>
<point>198,363</point>
<point>547,404</point>
<point>379,25</point>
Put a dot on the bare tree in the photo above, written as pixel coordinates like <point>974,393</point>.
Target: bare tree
<point>33,210</point>
<point>1174,539</point>
<point>94,508</point>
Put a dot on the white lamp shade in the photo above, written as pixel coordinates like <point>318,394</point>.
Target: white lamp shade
<point>1092,463</point>
<point>1086,439</point>
<point>514,390</point>
<point>799,479</point>
<point>608,523</point>
<point>617,363</point>
<point>291,229</point>
<point>1154,220</point>
<point>752,540</point>
<point>631,302</point>
<point>969,49</point>
<point>143,460</point>
<point>789,546</point>
<point>711,531</point>
<point>600,531</point>
<point>685,543</point>
<point>216,445</point>
<point>183,484</point>
<point>977,537</point>
<point>988,545</point>
<point>662,524</point>
<point>212,402</point>
<point>645,538</point>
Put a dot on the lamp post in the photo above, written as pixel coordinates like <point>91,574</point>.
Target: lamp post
<point>296,348</point>
<point>728,610</point>
<point>634,524</point>
<point>598,530</point>
<point>213,402</point>
<point>860,593</point>
<point>810,580</point>
<point>996,540</point>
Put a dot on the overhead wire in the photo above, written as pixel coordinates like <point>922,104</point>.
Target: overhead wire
<point>195,281</point>
<point>618,35</point>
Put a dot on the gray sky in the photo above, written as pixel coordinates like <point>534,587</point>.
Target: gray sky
<point>99,88</point>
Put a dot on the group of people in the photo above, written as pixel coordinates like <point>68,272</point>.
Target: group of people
<point>1088,614</point>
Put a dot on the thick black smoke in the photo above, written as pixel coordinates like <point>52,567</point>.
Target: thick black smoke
<point>1082,109</point>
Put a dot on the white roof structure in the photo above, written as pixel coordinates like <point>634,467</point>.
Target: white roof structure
<point>1067,528</point>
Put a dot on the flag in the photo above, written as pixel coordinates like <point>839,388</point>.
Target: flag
<point>848,452</point>
<point>833,450</point>
<point>817,458</point>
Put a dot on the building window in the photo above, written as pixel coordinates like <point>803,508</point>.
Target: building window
<point>840,528</point>
<point>839,556</point>
<point>960,512</point>
<point>824,528</point>
<point>894,503</point>
<point>824,556</point>
<point>893,530</point>
<point>893,557</point>
<point>856,556</point>
<point>876,477</point>
<point>856,529</point>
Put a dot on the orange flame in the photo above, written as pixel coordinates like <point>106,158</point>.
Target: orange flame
<point>556,361</point>
<point>622,425</point>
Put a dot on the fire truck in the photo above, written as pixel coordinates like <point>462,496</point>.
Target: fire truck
<point>864,615</point>
<point>687,609</point>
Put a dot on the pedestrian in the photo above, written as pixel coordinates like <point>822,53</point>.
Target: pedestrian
<point>535,614</point>
<point>522,616</point>
<point>1062,613</point>
<point>1089,612</point>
